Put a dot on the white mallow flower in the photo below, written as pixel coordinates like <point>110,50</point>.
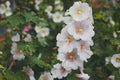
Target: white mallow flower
<point>107,60</point>
<point>65,41</point>
<point>28,38</point>
<point>115,34</point>
<point>79,11</point>
<point>115,60</point>
<point>46,76</point>
<point>57,2</point>
<point>43,32</point>
<point>7,3</point>
<point>58,71</point>
<point>70,60</point>
<point>2,9</point>
<point>67,20</point>
<point>83,50</point>
<point>16,38</point>
<point>83,76</point>
<point>38,1</point>
<point>29,72</point>
<point>90,17</point>
<point>17,54</point>
<point>59,7</point>
<point>48,9</point>
<point>37,29</point>
<point>81,30</point>
<point>8,11</point>
<point>57,17</point>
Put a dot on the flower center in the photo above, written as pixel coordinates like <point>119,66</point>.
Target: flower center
<point>118,59</point>
<point>19,51</point>
<point>79,11</point>
<point>58,17</point>
<point>69,39</point>
<point>45,78</point>
<point>79,30</point>
<point>82,46</point>
<point>62,69</point>
<point>70,56</point>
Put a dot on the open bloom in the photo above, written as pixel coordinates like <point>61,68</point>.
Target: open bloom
<point>57,17</point>
<point>115,60</point>
<point>46,76</point>
<point>17,54</point>
<point>2,9</point>
<point>29,72</point>
<point>84,52</point>
<point>16,38</point>
<point>81,30</point>
<point>58,71</point>
<point>79,11</point>
<point>70,60</point>
<point>28,38</point>
<point>65,41</point>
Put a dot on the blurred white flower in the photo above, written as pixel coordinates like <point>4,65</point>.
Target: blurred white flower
<point>37,29</point>
<point>65,41</point>
<point>7,3</point>
<point>28,38</point>
<point>58,71</point>
<point>8,11</point>
<point>16,38</point>
<point>67,20</point>
<point>59,7</point>
<point>90,17</point>
<point>115,34</point>
<point>70,60</point>
<point>84,52</point>
<point>107,60</point>
<point>17,54</point>
<point>57,17</point>
<point>79,11</point>
<point>115,60</point>
<point>111,77</point>
<point>46,76</point>
<point>83,76</point>
<point>81,30</point>
<point>48,8</point>
<point>2,9</point>
<point>37,7</point>
<point>37,3</point>
<point>43,32</point>
<point>57,2</point>
<point>29,72</point>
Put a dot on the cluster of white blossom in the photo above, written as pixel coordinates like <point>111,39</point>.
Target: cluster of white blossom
<point>115,60</point>
<point>73,42</point>
<point>57,15</point>
<point>37,3</point>
<point>5,9</point>
<point>19,54</point>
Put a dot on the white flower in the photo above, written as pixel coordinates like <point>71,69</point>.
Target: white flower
<point>2,9</point>
<point>90,17</point>
<point>65,41</point>
<point>111,77</point>
<point>8,11</point>
<point>37,29</point>
<point>29,72</point>
<point>37,7</point>
<point>43,32</point>
<point>16,38</point>
<point>67,20</point>
<point>107,60</point>
<point>28,38</point>
<point>59,7</point>
<point>83,76</point>
<point>46,76</point>
<point>115,34</point>
<point>58,71</point>
<point>57,2</point>
<point>79,11</point>
<point>17,54</point>
<point>57,17</point>
<point>48,9</point>
<point>70,60</point>
<point>115,60</point>
<point>7,3</point>
<point>38,1</point>
<point>84,52</point>
<point>81,30</point>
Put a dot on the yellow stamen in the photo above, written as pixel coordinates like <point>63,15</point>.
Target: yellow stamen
<point>79,30</point>
<point>118,59</point>
<point>69,39</point>
<point>79,11</point>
